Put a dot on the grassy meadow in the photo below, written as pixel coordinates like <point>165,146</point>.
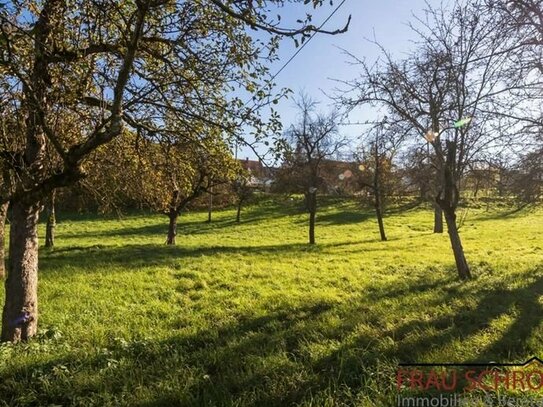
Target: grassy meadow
<point>249,315</point>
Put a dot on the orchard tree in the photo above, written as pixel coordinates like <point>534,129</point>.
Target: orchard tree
<point>527,181</point>
<point>113,65</point>
<point>161,172</point>
<point>374,172</point>
<point>311,140</point>
<point>242,190</point>
<point>418,172</point>
<point>182,173</point>
<point>452,93</point>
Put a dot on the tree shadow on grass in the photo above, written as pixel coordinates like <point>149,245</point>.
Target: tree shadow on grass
<point>297,354</point>
<point>87,258</point>
<point>159,225</point>
<point>215,366</point>
<point>343,218</point>
<point>513,343</point>
<point>415,204</point>
<point>364,357</point>
<point>522,210</point>
<point>522,304</point>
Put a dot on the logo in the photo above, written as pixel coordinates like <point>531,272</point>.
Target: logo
<point>490,376</point>
<point>458,384</point>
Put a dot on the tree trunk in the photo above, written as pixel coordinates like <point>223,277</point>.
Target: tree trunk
<point>378,206</point>
<point>20,315</point>
<point>438,212</point>
<point>312,216</point>
<point>172,228</point>
<point>378,211</point>
<point>312,207</point>
<point>3,216</point>
<point>438,219</point>
<point>51,222</point>
<point>210,207</point>
<point>456,244</point>
<point>377,192</point>
<point>380,222</point>
<point>238,216</point>
<point>476,187</point>
<point>448,199</point>
<point>173,213</point>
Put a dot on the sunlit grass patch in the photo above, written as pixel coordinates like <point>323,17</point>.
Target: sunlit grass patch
<point>249,315</point>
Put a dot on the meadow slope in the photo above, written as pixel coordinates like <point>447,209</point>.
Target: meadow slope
<point>249,315</point>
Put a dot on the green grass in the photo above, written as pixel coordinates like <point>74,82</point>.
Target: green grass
<point>249,315</point>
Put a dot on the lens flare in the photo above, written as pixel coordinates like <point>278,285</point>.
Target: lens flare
<point>462,122</point>
<point>431,135</point>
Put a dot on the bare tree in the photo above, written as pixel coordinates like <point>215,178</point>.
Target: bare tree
<point>452,93</point>
<point>312,139</point>
<point>374,159</point>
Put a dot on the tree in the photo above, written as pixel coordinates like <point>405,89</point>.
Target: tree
<point>242,191</point>
<point>375,166</point>
<point>419,174</point>
<point>162,172</point>
<point>113,65</point>
<point>51,221</point>
<point>312,139</point>
<point>3,217</point>
<point>452,93</point>
<point>188,176</point>
<point>527,182</point>
<point>415,90</point>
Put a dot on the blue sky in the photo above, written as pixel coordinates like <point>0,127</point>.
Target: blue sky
<point>321,60</point>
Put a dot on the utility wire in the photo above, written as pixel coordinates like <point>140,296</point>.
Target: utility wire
<point>302,46</point>
<point>308,40</point>
<point>287,63</point>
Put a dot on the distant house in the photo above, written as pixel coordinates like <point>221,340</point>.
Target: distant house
<point>338,176</point>
<point>335,177</point>
<point>261,176</point>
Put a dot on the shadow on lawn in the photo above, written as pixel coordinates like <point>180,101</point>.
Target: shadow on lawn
<point>292,355</point>
<point>523,304</point>
<point>88,258</point>
<point>343,218</point>
<point>509,213</point>
<point>159,225</point>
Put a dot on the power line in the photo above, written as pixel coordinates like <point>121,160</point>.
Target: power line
<point>308,40</point>
<point>303,46</point>
<point>288,62</point>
